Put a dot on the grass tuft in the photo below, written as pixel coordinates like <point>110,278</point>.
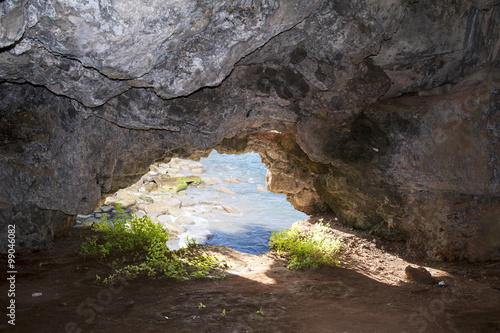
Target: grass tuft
<point>311,248</point>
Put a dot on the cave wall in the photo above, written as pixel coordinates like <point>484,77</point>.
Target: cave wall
<point>385,112</point>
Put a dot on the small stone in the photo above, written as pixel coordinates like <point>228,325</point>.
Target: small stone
<point>183,220</point>
<point>420,275</point>
<point>172,227</point>
<point>231,210</point>
<point>210,181</point>
<point>171,202</point>
<point>232,180</point>
<point>156,207</point>
<point>84,217</point>
<point>163,218</point>
<point>173,171</point>
<point>106,208</point>
<point>223,189</point>
<point>140,213</point>
<point>261,189</point>
<point>207,213</point>
<point>175,211</point>
<point>126,203</point>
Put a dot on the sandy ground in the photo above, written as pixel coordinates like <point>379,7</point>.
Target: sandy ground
<point>368,292</point>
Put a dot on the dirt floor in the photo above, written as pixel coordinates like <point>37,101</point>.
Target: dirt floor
<point>368,292</point>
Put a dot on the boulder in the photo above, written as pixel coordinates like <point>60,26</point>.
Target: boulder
<point>184,220</point>
<point>167,201</point>
<point>187,201</point>
<point>231,210</point>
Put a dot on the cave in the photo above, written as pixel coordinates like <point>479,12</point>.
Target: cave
<point>219,200</point>
<point>385,113</point>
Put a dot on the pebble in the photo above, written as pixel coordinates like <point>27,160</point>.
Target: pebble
<point>232,180</point>
<point>231,210</point>
<point>261,189</point>
<point>223,189</point>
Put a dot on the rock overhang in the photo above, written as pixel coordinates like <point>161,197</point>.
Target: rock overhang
<point>78,124</point>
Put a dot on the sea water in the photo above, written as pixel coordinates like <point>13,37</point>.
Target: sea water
<point>260,212</point>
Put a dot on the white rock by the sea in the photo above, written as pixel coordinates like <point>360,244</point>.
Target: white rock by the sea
<point>173,227</point>
<point>261,189</point>
<point>171,202</point>
<point>156,207</point>
<point>210,181</point>
<point>223,189</point>
<point>232,180</point>
<point>231,210</point>
<point>164,218</point>
<point>183,220</point>
<point>140,213</point>
<point>198,170</point>
<point>187,201</point>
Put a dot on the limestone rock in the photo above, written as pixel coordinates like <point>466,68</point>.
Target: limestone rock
<point>225,190</point>
<point>157,207</point>
<point>231,210</point>
<point>187,201</point>
<point>261,189</point>
<point>170,202</point>
<point>184,220</point>
<point>140,213</point>
<point>172,228</point>
<point>163,218</point>
<point>232,180</point>
<point>210,181</point>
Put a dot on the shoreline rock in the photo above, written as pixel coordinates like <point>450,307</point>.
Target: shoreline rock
<point>160,195</point>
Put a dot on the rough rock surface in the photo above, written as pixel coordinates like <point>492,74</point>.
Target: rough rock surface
<point>387,111</point>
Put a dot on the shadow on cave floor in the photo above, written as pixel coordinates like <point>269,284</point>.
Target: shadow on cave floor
<point>361,247</point>
<point>258,295</point>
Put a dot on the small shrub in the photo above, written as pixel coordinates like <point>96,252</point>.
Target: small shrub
<point>137,247</point>
<point>306,249</point>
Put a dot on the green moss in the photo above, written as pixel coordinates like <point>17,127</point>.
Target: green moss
<point>187,180</point>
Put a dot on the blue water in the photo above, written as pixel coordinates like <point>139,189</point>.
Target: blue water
<point>261,212</point>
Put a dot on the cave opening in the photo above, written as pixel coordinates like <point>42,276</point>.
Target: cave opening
<point>220,200</point>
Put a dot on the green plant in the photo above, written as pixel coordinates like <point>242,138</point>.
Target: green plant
<point>310,248</point>
<point>260,311</point>
<point>201,306</point>
<point>224,313</point>
<point>137,248</point>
